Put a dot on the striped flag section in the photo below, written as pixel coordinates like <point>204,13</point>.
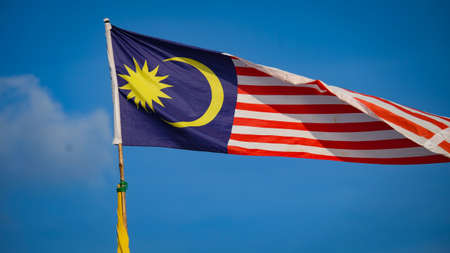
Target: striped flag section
<point>282,114</point>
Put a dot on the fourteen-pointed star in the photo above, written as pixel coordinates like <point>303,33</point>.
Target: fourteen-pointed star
<point>145,86</point>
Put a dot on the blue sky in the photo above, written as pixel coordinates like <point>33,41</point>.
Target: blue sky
<point>60,169</point>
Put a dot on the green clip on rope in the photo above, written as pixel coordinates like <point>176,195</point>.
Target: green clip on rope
<point>123,186</point>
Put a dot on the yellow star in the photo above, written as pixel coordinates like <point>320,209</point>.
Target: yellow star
<point>144,85</point>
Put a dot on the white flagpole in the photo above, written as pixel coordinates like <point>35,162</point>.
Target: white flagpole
<point>121,188</point>
<point>115,90</point>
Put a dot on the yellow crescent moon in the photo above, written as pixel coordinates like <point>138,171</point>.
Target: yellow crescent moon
<point>216,94</point>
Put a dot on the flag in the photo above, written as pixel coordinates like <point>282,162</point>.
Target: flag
<point>177,96</point>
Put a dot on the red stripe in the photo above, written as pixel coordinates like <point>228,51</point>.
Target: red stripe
<point>398,120</point>
<point>279,90</point>
<point>233,57</point>
<point>402,160</point>
<point>319,127</point>
<point>445,146</point>
<point>355,145</point>
<point>243,71</point>
<point>298,109</point>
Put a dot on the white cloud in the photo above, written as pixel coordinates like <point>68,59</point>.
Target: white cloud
<point>39,141</point>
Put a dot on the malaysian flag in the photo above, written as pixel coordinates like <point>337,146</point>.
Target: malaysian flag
<point>171,95</point>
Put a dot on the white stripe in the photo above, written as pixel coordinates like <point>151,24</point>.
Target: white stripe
<point>238,63</point>
<point>268,81</point>
<point>378,153</point>
<point>278,73</point>
<point>265,80</point>
<point>307,118</point>
<point>331,136</point>
<point>289,99</point>
<point>438,138</point>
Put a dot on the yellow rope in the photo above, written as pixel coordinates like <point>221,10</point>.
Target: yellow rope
<point>122,233</point>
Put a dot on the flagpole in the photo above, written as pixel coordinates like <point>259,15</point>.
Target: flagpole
<point>122,228</point>
<point>122,185</point>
